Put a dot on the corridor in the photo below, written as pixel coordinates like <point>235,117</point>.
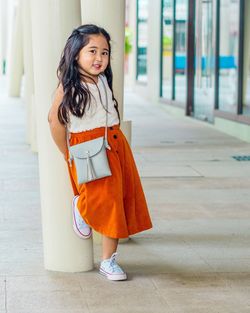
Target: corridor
<point>195,259</point>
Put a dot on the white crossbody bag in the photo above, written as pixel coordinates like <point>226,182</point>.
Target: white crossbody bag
<point>90,157</point>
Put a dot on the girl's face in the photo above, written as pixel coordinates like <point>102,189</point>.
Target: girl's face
<point>94,57</point>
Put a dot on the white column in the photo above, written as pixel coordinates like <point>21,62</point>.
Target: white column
<point>110,14</point>
<point>15,54</point>
<point>131,75</point>
<point>153,49</point>
<point>28,75</point>
<point>52,23</point>
<point>3,34</point>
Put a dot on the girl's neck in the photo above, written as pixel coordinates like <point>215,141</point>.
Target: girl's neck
<point>89,79</point>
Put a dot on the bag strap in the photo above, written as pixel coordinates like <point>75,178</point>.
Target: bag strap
<point>106,125</point>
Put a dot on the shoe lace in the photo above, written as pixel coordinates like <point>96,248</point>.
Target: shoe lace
<point>114,266</point>
<point>112,259</point>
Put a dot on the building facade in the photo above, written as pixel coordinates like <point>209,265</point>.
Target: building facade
<point>195,54</point>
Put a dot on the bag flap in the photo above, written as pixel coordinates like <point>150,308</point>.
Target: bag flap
<point>91,147</point>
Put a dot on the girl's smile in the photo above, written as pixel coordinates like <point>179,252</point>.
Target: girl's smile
<point>97,66</point>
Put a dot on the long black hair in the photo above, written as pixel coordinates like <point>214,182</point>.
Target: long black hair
<point>77,95</point>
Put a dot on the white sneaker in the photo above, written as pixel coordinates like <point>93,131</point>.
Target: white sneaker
<point>79,225</point>
<point>111,269</point>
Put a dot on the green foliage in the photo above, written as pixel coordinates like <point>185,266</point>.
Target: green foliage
<point>128,40</point>
<point>167,43</point>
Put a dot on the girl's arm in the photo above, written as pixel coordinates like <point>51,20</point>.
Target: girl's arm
<point>58,131</point>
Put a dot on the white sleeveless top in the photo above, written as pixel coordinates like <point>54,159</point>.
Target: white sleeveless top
<point>95,115</point>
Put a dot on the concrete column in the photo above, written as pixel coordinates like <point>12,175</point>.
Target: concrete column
<point>28,75</point>
<point>31,123</point>
<point>153,48</point>
<point>52,23</point>
<point>131,75</point>
<point>3,35</point>
<point>110,14</point>
<point>15,55</point>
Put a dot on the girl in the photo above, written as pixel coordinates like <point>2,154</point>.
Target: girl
<point>114,206</point>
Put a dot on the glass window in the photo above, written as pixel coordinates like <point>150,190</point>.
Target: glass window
<point>246,66</point>
<point>228,55</point>
<point>204,71</point>
<point>174,39</point>
<point>167,49</point>
<point>181,50</point>
<point>142,39</point>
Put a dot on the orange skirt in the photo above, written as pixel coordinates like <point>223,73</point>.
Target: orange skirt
<point>114,206</point>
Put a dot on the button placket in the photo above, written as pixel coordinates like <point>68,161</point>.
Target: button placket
<point>115,136</point>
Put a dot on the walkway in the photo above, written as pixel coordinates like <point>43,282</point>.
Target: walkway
<point>196,259</point>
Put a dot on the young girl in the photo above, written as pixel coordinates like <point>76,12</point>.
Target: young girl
<point>114,206</point>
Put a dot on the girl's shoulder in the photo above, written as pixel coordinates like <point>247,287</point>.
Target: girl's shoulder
<point>103,77</point>
<point>56,101</point>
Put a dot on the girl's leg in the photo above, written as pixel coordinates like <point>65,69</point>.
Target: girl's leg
<point>109,246</point>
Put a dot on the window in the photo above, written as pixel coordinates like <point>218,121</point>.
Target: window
<point>246,64</point>
<point>173,52</point>
<point>142,39</point>
<point>181,50</point>
<point>167,49</point>
<point>228,55</point>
